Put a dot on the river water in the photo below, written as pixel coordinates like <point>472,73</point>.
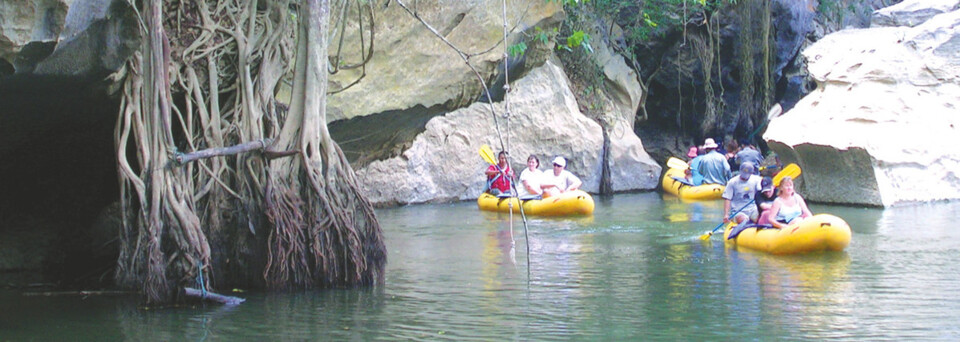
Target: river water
<point>634,270</point>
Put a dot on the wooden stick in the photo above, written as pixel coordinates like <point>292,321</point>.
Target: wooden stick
<point>214,297</point>
<point>76,293</point>
<point>183,158</point>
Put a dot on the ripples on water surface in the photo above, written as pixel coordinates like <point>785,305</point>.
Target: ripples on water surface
<point>635,270</point>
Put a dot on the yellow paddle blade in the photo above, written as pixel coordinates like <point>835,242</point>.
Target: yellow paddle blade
<point>706,236</point>
<point>791,170</point>
<point>675,163</point>
<point>487,154</point>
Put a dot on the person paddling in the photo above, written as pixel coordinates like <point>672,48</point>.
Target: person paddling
<point>499,176</point>
<point>739,193</point>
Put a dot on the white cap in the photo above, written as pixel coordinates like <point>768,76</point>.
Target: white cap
<point>560,161</point>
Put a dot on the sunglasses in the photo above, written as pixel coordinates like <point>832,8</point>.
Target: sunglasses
<point>557,165</point>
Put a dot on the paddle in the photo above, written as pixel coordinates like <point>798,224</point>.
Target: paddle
<point>707,235</point>
<point>487,154</point>
<point>675,163</point>
<point>791,170</point>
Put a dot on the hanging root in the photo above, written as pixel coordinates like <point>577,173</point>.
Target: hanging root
<point>227,203</point>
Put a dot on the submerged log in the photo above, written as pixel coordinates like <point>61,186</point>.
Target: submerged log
<point>213,297</point>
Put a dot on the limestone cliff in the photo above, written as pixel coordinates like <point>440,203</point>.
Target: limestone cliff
<point>443,162</point>
<point>881,128</point>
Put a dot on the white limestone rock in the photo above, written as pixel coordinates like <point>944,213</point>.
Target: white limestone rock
<point>882,126</point>
<point>912,12</point>
<point>443,163</point>
<point>631,168</point>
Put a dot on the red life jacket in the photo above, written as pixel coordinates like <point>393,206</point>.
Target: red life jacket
<point>498,181</point>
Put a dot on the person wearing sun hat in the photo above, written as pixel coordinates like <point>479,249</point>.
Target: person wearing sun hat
<point>713,165</point>
<point>692,152</point>
<point>559,180</point>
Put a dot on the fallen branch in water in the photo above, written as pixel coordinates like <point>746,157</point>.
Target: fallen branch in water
<point>211,296</point>
<point>77,293</point>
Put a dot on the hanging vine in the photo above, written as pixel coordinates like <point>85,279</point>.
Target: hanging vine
<point>755,46</point>
<point>232,185</point>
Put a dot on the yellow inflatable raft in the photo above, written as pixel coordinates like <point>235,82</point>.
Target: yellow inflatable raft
<point>677,188</point>
<point>576,202</point>
<point>821,232</point>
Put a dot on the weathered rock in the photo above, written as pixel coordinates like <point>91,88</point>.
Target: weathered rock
<point>23,21</point>
<point>881,128</point>
<point>443,164</point>
<point>912,12</point>
<point>98,38</point>
<point>622,84</point>
<point>631,168</point>
<point>411,66</point>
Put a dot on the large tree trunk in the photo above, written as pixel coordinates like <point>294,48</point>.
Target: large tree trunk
<point>247,219</point>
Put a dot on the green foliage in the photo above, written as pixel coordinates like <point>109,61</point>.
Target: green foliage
<point>517,49</point>
<point>646,19</point>
<point>543,37</point>
<point>575,40</point>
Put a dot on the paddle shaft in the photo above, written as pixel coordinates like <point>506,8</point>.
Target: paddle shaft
<point>731,217</point>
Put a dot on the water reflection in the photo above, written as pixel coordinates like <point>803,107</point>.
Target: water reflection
<point>679,210</point>
<point>499,257</point>
<point>629,272</point>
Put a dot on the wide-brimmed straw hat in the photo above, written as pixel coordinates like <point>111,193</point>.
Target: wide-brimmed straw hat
<point>709,143</point>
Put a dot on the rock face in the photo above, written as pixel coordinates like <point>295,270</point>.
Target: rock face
<point>411,66</point>
<point>443,162</point>
<point>67,37</point>
<point>629,164</point>
<point>23,21</point>
<point>912,12</point>
<point>882,127</point>
<point>98,37</point>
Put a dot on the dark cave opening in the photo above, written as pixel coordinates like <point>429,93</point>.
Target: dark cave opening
<point>57,174</point>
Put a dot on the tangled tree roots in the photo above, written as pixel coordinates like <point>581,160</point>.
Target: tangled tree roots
<point>287,209</point>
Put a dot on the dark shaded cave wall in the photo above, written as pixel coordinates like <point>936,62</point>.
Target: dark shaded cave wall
<point>57,169</point>
<point>677,96</point>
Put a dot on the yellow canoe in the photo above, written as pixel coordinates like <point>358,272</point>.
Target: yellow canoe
<point>703,192</point>
<point>577,202</point>
<point>821,232</point>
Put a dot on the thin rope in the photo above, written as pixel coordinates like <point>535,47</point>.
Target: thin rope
<point>203,287</point>
<point>506,115</point>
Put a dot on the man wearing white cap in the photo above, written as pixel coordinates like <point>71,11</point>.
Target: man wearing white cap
<point>560,180</point>
<point>713,165</point>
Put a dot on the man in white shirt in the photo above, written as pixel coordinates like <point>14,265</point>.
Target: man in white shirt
<point>559,180</point>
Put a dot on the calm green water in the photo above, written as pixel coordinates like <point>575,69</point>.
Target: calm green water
<point>635,270</point>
